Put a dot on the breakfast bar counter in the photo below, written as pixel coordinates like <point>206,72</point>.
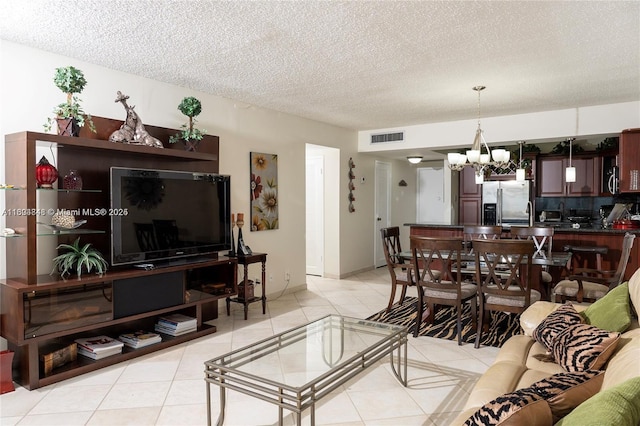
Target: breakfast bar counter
<point>563,235</point>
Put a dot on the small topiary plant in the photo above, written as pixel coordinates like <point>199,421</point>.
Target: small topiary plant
<point>189,135</point>
<point>80,259</point>
<point>70,80</point>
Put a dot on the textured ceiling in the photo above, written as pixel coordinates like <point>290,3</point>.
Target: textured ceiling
<point>358,64</point>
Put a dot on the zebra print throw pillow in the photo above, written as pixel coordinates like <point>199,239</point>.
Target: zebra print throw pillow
<point>522,407</point>
<point>554,323</point>
<point>565,391</point>
<point>583,347</point>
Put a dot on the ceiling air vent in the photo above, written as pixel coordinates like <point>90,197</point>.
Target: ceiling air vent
<point>387,137</point>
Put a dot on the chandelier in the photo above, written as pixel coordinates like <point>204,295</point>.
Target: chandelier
<point>475,157</point>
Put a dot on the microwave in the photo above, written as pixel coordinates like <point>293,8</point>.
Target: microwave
<point>551,216</point>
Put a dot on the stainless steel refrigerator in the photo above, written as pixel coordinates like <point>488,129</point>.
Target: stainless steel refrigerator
<point>505,202</point>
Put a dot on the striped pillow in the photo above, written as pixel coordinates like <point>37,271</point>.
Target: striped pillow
<point>583,347</point>
<point>554,323</point>
<point>565,391</point>
<point>522,407</point>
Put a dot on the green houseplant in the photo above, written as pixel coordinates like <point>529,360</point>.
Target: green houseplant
<point>80,259</point>
<point>69,115</point>
<point>188,134</point>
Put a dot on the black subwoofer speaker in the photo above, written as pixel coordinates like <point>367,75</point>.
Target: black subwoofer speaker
<point>143,294</point>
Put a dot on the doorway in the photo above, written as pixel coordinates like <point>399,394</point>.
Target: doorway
<point>382,208</point>
<point>322,180</point>
<point>315,214</point>
<point>431,199</point>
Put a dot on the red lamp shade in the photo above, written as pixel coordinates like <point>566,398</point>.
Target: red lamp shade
<point>46,174</point>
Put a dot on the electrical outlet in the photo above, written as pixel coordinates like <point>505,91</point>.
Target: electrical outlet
<point>287,276</point>
<point>270,278</point>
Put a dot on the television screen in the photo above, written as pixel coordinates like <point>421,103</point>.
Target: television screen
<point>163,214</point>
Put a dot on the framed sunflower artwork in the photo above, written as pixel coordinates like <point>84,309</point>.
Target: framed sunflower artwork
<point>264,191</point>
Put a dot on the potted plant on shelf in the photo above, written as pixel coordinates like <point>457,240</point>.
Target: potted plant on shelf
<point>189,135</point>
<point>81,259</point>
<point>69,115</point>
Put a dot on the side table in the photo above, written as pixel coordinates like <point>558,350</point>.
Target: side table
<point>245,261</point>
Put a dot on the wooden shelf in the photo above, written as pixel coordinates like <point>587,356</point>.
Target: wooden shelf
<point>85,365</point>
<point>79,143</point>
<point>65,309</point>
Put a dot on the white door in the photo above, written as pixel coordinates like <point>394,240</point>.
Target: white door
<point>430,208</point>
<point>315,215</point>
<point>382,204</point>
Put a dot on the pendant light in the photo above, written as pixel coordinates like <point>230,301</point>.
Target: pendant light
<point>570,172</point>
<point>479,156</point>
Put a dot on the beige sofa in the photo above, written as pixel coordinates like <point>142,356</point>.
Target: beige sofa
<point>516,367</point>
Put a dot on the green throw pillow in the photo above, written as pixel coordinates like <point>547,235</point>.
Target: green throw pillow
<point>612,312</point>
<point>619,405</point>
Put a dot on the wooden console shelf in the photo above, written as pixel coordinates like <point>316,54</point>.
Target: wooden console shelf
<point>40,311</point>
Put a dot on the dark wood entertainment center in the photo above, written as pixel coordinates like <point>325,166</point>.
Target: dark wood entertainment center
<point>40,311</point>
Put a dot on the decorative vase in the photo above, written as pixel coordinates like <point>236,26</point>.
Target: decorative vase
<point>190,144</point>
<point>46,173</point>
<point>72,181</point>
<point>68,127</point>
<point>232,252</point>
<point>240,223</point>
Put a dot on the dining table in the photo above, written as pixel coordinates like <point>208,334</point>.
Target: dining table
<point>555,263</point>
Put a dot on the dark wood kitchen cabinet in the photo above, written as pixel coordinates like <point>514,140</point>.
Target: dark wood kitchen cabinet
<point>470,200</point>
<point>551,177</point>
<point>629,158</point>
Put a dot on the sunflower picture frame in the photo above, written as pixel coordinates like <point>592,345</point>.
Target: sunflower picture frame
<point>263,190</point>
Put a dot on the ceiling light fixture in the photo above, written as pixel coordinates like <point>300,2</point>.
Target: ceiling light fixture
<point>475,157</point>
<point>414,159</point>
<point>570,172</point>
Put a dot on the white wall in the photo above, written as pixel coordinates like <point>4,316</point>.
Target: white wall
<point>29,95</point>
<point>548,125</point>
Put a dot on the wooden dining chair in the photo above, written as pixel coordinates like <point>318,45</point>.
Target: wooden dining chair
<point>480,232</point>
<point>589,285</point>
<point>503,268</point>
<point>437,265</point>
<point>399,268</point>
<point>542,237</point>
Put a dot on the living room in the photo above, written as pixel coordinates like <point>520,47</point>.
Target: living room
<point>29,95</point>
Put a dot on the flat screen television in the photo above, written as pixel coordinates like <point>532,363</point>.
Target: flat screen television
<point>159,215</point>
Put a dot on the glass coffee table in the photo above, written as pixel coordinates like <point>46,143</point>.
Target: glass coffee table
<point>297,368</point>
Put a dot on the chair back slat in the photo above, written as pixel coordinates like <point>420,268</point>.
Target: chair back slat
<point>437,262</point>
<point>508,267</point>
<point>391,245</point>
<point>627,245</point>
<point>480,232</point>
<point>400,270</point>
<point>542,238</point>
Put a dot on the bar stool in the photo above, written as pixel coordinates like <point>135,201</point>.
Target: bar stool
<point>582,252</point>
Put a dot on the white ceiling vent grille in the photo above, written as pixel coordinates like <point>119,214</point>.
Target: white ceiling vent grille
<point>387,137</point>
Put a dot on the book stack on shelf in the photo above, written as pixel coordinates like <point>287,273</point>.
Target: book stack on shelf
<point>99,347</point>
<point>176,324</point>
<point>140,339</point>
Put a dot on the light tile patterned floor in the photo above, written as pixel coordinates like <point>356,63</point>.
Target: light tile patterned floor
<point>167,388</point>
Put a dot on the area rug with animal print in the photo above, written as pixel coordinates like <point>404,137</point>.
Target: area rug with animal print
<point>503,325</point>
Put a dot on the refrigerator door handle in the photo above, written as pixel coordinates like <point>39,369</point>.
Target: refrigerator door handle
<point>499,206</point>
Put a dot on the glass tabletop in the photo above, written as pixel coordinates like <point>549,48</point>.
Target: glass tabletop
<point>306,353</point>
<point>552,259</point>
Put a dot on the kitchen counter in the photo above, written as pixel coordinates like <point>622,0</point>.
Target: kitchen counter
<point>560,228</point>
<point>563,235</point>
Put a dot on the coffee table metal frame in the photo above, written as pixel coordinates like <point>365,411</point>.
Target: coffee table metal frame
<point>226,371</point>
